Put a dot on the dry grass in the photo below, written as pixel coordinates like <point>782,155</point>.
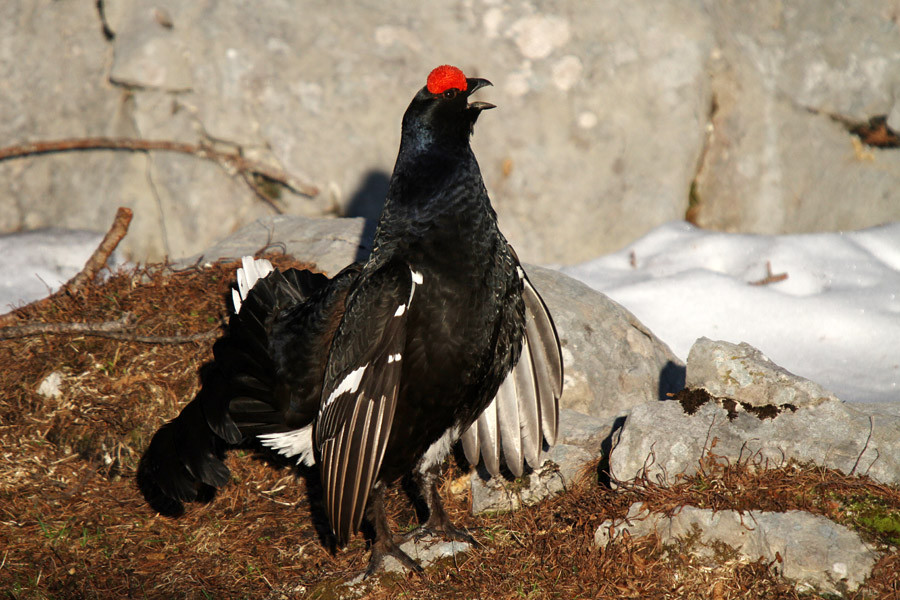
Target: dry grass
<point>74,525</point>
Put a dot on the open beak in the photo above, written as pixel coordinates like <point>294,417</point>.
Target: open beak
<point>474,84</point>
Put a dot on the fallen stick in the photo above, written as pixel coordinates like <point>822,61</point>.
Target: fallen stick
<point>120,329</point>
<point>28,329</point>
<point>770,277</point>
<point>162,339</point>
<point>101,255</point>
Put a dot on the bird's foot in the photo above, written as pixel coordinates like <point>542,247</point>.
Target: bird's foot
<point>444,530</point>
<point>384,548</point>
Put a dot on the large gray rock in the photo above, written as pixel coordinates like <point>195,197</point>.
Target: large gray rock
<point>660,440</point>
<point>329,244</point>
<point>612,361</point>
<point>55,83</point>
<point>579,444</point>
<point>599,139</point>
<point>319,90</point>
<point>53,61</point>
<point>757,412</point>
<point>787,79</point>
<point>743,373</point>
<point>810,550</point>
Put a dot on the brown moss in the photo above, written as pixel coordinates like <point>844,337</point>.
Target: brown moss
<point>692,399</point>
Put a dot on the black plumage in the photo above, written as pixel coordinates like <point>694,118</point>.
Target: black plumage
<point>375,373</point>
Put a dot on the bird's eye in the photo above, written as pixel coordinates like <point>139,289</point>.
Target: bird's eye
<point>451,93</point>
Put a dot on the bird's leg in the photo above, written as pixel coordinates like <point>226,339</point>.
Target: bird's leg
<point>384,544</point>
<point>438,523</point>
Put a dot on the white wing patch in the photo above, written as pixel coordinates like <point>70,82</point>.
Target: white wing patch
<point>292,443</point>
<point>417,279</point>
<point>251,271</point>
<point>348,385</point>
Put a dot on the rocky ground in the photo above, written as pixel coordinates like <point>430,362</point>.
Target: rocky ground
<point>749,483</point>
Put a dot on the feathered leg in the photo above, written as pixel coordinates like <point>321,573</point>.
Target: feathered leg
<point>438,523</point>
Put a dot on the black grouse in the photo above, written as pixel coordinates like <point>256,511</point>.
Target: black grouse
<point>375,373</point>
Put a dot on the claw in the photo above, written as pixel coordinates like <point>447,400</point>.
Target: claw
<point>384,548</point>
<point>446,531</point>
<point>384,544</point>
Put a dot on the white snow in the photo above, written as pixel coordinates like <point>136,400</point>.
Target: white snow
<point>835,319</point>
<point>36,263</point>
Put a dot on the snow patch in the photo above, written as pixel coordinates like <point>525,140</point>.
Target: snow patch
<point>833,318</point>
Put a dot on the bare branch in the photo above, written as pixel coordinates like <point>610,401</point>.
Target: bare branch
<point>120,329</point>
<point>770,277</point>
<point>234,161</point>
<point>29,329</point>
<point>101,255</point>
<point>161,339</point>
<point>865,446</point>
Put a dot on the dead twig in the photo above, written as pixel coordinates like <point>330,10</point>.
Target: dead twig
<point>245,167</point>
<point>101,255</point>
<point>96,262</point>
<point>160,339</point>
<point>770,277</point>
<point>120,329</point>
<point>250,180</point>
<point>29,329</point>
<point>865,446</point>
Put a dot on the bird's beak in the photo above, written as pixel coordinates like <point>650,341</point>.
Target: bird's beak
<point>474,84</point>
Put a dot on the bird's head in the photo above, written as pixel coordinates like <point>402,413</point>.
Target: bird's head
<point>441,110</point>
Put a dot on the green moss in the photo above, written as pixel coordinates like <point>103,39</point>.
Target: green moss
<point>518,484</point>
<point>874,515</point>
<point>887,525</point>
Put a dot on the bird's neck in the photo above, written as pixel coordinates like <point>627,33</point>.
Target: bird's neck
<point>435,183</point>
<point>435,202</point>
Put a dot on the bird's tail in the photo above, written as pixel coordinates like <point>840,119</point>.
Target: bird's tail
<point>184,460</point>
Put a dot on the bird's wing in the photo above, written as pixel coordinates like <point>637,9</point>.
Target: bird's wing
<point>360,392</point>
<point>525,410</point>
